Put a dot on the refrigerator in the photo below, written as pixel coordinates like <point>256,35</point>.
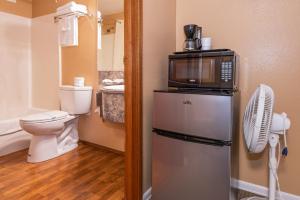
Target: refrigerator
<point>193,134</point>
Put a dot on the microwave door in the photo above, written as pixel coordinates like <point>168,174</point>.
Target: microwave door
<point>194,68</point>
<point>180,72</point>
<point>208,72</point>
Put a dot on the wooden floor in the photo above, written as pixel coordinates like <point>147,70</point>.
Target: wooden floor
<point>87,173</point>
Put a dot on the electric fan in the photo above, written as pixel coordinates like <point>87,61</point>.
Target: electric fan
<point>261,126</point>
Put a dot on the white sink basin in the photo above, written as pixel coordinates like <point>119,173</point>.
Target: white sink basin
<point>114,88</point>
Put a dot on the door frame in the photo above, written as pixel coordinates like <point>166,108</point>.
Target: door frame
<point>133,99</point>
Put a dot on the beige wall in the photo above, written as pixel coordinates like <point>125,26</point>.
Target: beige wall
<point>22,8</point>
<point>81,61</point>
<point>158,42</point>
<point>266,36</point>
<point>45,63</point>
<point>45,7</point>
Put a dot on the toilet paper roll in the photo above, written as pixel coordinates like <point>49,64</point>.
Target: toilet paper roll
<point>79,82</point>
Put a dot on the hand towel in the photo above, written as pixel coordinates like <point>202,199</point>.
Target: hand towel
<point>68,31</point>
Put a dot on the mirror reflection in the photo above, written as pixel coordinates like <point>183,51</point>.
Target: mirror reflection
<point>110,35</point>
<point>110,64</point>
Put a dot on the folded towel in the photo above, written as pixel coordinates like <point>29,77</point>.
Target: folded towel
<point>107,82</point>
<point>118,81</point>
<point>71,7</point>
<point>67,5</point>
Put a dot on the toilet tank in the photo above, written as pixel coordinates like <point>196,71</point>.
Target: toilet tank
<point>75,100</point>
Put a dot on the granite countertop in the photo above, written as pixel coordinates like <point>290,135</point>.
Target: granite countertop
<point>112,103</point>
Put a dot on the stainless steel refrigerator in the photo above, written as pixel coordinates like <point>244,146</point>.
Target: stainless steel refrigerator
<point>192,144</point>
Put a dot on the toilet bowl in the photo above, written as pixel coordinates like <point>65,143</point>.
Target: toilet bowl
<point>55,132</point>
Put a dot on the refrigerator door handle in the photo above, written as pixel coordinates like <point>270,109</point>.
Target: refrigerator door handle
<point>189,138</point>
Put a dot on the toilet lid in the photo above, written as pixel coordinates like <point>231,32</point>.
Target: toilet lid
<point>46,116</point>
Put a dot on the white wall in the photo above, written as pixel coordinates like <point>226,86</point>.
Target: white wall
<point>45,63</point>
<point>15,65</point>
<point>29,64</point>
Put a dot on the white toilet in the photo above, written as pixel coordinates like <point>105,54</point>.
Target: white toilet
<point>55,132</point>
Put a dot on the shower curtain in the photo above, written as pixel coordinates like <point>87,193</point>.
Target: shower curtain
<point>119,46</point>
<point>111,55</point>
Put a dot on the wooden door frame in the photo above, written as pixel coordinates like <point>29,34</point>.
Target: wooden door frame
<point>133,99</point>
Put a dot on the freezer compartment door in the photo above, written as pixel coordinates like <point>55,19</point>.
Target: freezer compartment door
<point>187,170</point>
<point>208,116</point>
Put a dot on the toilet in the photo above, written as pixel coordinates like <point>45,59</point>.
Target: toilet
<point>55,132</point>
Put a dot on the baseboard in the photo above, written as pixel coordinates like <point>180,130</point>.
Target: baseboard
<point>260,190</point>
<point>102,147</point>
<point>147,195</point>
<point>248,187</point>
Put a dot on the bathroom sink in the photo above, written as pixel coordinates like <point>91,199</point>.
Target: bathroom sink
<point>114,88</point>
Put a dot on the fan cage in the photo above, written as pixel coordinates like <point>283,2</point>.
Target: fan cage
<point>258,119</point>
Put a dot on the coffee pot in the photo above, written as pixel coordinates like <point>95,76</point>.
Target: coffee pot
<point>193,37</point>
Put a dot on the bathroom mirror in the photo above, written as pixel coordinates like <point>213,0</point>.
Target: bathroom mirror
<point>110,52</point>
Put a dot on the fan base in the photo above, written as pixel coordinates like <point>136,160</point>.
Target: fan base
<point>254,198</point>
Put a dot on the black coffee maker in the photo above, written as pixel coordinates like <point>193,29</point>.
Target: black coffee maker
<point>193,37</point>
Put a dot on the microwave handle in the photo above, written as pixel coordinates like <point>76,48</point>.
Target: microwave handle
<point>192,81</point>
<point>172,81</point>
<point>200,71</point>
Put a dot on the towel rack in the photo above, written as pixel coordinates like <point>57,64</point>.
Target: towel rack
<point>76,13</point>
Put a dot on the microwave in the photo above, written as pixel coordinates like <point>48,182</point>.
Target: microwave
<point>212,69</point>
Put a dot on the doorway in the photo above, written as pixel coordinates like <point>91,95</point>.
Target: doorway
<point>132,18</point>
<point>133,99</point>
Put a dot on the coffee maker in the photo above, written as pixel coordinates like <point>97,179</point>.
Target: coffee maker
<point>193,37</point>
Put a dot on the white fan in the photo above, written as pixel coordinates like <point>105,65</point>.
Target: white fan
<point>261,126</point>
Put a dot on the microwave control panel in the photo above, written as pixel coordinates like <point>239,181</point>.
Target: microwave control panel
<point>226,71</point>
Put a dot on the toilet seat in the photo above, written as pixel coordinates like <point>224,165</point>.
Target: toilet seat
<point>46,123</point>
<point>45,117</point>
